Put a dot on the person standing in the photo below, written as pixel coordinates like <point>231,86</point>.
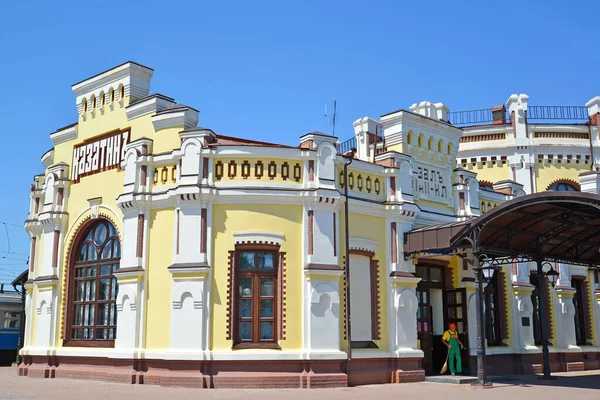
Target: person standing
<point>451,340</point>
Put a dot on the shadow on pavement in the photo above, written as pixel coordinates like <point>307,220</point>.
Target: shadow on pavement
<point>581,382</point>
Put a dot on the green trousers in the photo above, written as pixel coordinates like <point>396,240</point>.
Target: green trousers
<point>454,354</point>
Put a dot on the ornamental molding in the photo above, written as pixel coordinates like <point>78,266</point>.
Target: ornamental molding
<point>258,237</point>
<point>363,244</point>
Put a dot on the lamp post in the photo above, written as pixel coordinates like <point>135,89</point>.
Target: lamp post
<point>552,276</point>
<point>483,273</point>
<point>348,160</point>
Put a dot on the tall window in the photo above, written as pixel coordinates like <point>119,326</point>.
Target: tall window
<point>494,310</point>
<point>363,300</point>
<point>535,300</point>
<point>581,311</point>
<point>94,288</point>
<point>257,291</point>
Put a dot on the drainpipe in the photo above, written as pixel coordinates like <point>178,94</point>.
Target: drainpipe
<point>348,161</point>
<point>589,124</point>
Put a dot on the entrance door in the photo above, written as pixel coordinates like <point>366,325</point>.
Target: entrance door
<point>455,311</point>
<point>424,328</point>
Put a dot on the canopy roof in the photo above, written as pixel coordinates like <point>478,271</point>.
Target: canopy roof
<point>552,225</point>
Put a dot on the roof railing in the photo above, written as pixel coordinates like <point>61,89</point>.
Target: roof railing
<point>550,113</point>
<point>347,145</point>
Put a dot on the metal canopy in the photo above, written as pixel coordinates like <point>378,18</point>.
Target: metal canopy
<point>552,225</point>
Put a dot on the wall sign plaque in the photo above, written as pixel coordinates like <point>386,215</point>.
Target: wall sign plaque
<point>99,154</point>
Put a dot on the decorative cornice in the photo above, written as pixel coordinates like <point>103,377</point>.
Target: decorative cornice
<point>65,134</point>
<point>363,244</point>
<point>176,116</point>
<point>151,104</point>
<point>258,237</point>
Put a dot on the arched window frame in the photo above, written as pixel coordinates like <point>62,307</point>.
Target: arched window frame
<point>91,267</point>
<point>564,186</point>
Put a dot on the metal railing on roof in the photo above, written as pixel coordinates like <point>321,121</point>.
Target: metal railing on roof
<point>549,113</point>
<point>471,117</point>
<point>347,145</point>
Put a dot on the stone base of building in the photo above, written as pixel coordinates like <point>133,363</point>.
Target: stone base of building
<point>530,364</point>
<point>227,374</point>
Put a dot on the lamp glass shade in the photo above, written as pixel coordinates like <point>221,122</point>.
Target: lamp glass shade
<point>488,271</point>
<point>552,276</point>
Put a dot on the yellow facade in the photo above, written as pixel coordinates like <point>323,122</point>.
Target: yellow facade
<point>159,296</point>
<point>230,218</point>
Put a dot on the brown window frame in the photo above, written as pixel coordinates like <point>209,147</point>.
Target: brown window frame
<point>256,274</point>
<point>74,265</point>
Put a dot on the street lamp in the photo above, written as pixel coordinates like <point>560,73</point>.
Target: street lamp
<point>483,274</point>
<point>348,160</point>
<point>552,276</point>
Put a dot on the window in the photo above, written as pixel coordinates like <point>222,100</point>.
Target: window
<point>121,92</point>
<point>580,304</point>
<point>256,297</point>
<point>535,300</point>
<point>111,94</point>
<point>561,186</point>
<point>93,286</point>
<point>84,104</point>
<point>363,300</point>
<point>494,310</point>
<point>12,320</point>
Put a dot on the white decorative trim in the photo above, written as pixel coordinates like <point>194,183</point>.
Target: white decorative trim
<point>186,117</point>
<point>363,244</point>
<point>64,135</point>
<point>177,304</point>
<point>249,237</point>
<point>153,104</point>
<point>48,158</point>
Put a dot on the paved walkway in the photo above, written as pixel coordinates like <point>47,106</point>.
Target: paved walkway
<point>583,386</point>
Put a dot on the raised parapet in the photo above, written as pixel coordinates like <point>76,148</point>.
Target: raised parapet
<point>517,108</point>
<point>590,182</point>
<point>437,111</point>
<point>365,130</point>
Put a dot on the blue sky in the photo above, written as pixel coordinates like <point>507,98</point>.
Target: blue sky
<point>265,69</point>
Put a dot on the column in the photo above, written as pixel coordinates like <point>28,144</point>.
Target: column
<point>190,271</point>
<point>131,277</point>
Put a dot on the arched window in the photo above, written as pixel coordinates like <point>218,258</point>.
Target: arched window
<point>93,101</point>
<point>111,95</point>
<point>449,148</point>
<point>564,187</point>
<point>94,287</point>
<point>121,92</point>
<point>420,140</point>
<point>102,98</point>
<point>409,138</point>
<point>440,146</point>
<point>84,105</point>
<point>430,143</point>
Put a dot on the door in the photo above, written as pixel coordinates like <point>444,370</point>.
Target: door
<point>455,311</point>
<point>424,328</point>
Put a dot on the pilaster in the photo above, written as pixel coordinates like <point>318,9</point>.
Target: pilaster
<point>189,307</point>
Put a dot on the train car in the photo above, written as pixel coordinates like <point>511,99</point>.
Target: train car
<point>10,324</point>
